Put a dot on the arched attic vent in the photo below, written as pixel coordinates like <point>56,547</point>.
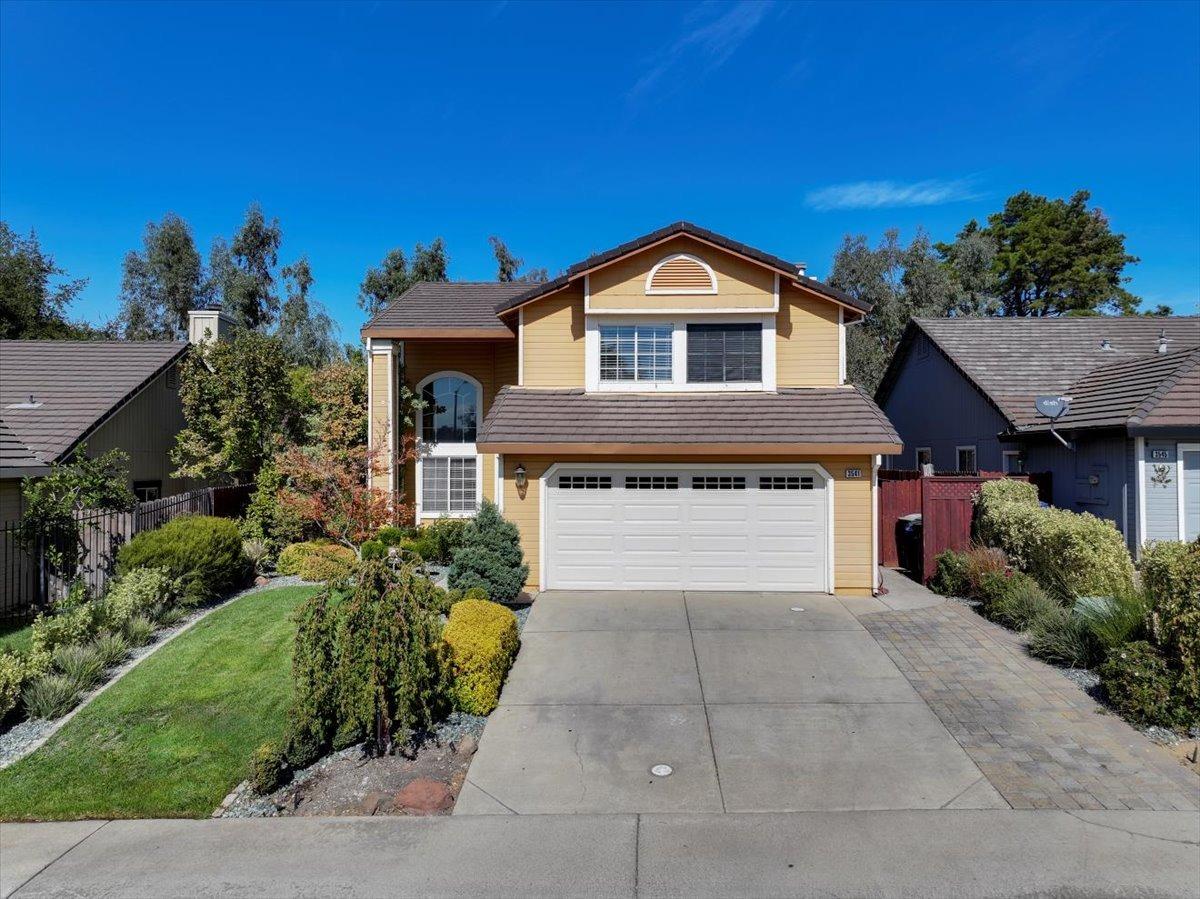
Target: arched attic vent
<point>681,273</point>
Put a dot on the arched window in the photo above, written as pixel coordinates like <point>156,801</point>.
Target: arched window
<point>448,467</point>
<point>451,409</point>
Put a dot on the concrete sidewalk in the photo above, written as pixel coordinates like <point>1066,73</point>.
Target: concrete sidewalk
<point>964,853</point>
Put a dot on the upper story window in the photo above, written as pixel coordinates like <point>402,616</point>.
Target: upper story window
<point>681,273</point>
<point>451,407</point>
<point>635,352</point>
<point>724,353</point>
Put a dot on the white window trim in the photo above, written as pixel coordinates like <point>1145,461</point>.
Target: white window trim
<point>1004,454</point>
<point>447,451</point>
<point>974,451</point>
<point>876,577</point>
<point>917,455</point>
<point>678,382</point>
<point>550,472</point>
<point>1180,497</point>
<point>693,291</point>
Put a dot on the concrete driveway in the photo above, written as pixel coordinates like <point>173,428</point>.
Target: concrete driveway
<point>758,703</point>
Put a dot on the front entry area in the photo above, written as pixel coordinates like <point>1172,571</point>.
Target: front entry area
<point>688,527</point>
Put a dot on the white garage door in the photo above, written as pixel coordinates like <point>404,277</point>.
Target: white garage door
<point>698,528</point>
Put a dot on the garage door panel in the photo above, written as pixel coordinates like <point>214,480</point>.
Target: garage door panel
<point>627,538</point>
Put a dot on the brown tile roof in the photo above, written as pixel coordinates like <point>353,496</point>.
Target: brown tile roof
<point>733,246</point>
<point>1125,393</point>
<point>16,459</point>
<point>449,304</point>
<point>1013,360</point>
<point>827,415</point>
<point>75,385</point>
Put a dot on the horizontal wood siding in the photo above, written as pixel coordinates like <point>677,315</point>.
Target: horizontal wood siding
<point>807,352</point>
<point>553,340</point>
<point>740,284</point>
<point>852,507</point>
<point>10,500</point>
<point>378,423</point>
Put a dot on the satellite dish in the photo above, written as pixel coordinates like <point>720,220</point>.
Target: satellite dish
<point>1053,407</point>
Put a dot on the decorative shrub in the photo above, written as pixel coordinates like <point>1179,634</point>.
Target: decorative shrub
<point>1114,620</point>
<point>50,696</point>
<point>268,768</point>
<point>67,628</point>
<point>265,519</point>
<point>1022,602</point>
<point>1139,684</point>
<point>390,678</point>
<point>203,553</point>
<point>1061,638</point>
<point>442,537</point>
<point>390,535</point>
<point>142,591</point>
<point>373,549</point>
<point>13,673</point>
<point>112,648</point>
<point>138,630</point>
<point>328,562</point>
<point>292,555</point>
<point>1012,527</point>
<point>256,550</point>
<point>1007,490</point>
<point>1080,555</point>
<point>1171,575</point>
<point>312,718</point>
<point>983,560</point>
<point>83,664</point>
<point>482,640</point>
<point>490,557</point>
<point>950,575</point>
<point>422,547</point>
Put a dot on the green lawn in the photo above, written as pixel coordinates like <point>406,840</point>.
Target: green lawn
<point>15,636</point>
<point>175,735</point>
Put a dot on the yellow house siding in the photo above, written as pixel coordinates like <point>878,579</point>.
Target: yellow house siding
<point>807,349</point>
<point>740,284</point>
<point>553,340</point>
<point>378,421</point>
<point>852,509</point>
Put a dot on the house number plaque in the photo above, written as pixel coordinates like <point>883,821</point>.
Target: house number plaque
<point>1160,454</point>
<point>854,472</point>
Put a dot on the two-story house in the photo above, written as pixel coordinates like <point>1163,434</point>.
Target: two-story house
<point>672,413</point>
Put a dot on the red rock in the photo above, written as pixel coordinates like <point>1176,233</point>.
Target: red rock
<point>261,581</point>
<point>425,797</point>
<point>369,804</point>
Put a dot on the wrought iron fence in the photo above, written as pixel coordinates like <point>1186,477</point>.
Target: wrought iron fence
<point>26,580</point>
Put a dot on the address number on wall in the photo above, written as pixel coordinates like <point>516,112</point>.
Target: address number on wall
<point>854,472</point>
<point>1160,454</point>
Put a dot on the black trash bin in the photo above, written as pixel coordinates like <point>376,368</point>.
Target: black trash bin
<point>910,546</point>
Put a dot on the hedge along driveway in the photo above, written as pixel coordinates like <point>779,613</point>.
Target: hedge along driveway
<point>175,735</point>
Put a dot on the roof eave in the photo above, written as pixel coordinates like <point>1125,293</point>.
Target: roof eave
<point>498,333</point>
<point>688,449</point>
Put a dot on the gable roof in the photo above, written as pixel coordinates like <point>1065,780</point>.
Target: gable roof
<point>75,384</point>
<point>1011,361</point>
<point>16,459</point>
<point>447,305</point>
<point>782,266</point>
<point>788,421</point>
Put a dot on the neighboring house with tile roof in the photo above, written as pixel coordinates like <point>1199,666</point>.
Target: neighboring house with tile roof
<point>669,413</point>
<point>961,393</point>
<point>59,395</point>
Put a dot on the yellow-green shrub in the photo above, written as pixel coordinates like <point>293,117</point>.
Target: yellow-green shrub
<point>327,562</point>
<point>16,670</point>
<point>1171,575</point>
<point>1015,527</point>
<point>481,639</point>
<point>291,556</point>
<point>1077,554</point>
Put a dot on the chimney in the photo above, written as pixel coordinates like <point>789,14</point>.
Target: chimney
<point>208,324</point>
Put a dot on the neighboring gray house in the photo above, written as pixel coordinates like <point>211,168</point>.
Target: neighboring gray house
<point>961,391</point>
<point>58,394</point>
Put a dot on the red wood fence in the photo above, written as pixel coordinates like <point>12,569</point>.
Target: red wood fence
<point>945,504</point>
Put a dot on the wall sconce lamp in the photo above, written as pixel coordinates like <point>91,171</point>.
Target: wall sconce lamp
<point>521,480</point>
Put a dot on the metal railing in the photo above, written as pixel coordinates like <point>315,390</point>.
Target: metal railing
<point>27,582</point>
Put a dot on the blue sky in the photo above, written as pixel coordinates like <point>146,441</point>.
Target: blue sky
<point>568,128</point>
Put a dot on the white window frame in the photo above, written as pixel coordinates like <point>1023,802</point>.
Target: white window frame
<point>1005,455</point>
<point>1180,493</point>
<point>447,450</point>
<point>917,455</point>
<point>974,454</point>
<point>748,469</point>
<point>711,290</point>
<point>678,382</point>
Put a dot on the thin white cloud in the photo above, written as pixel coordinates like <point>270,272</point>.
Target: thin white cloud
<point>707,44</point>
<point>883,194</point>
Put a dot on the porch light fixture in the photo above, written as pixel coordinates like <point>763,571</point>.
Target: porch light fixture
<point>520,477</point>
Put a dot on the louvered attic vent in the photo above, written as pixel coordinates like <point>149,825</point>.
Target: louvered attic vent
<point>681,273</point>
